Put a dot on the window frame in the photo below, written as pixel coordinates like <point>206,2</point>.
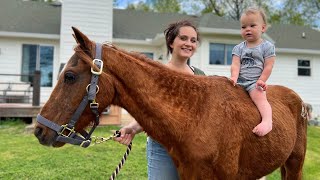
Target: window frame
<point>303,67</point>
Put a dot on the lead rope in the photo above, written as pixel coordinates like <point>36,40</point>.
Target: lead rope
<point>99,140</point>
<point>121,163</point>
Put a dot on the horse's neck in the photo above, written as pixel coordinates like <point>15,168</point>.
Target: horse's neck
<point>149,93</point>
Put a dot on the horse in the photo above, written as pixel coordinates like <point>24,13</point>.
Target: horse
<point>204,122</point>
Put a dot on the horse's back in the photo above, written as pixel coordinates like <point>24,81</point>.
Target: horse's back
<point>282,97</point>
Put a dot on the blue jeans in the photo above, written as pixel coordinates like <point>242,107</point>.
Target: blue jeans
<point>160,164</point>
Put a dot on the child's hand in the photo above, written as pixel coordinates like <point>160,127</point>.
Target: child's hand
<point>233,80</point>
<point>261,84</point>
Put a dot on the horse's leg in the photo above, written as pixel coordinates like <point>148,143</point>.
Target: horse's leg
<point>283,172</point>
<point>293,168</point>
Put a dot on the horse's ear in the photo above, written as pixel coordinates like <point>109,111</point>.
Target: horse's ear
<point>74,36</point>
<point>81,39</point>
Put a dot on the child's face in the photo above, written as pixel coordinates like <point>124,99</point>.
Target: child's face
<point>252,27</point>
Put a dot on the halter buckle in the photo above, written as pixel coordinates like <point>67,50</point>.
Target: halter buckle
<point>101,67</point>
<point>94,105</point>
<point>65,127</point>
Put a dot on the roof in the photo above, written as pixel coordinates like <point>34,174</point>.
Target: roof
<point>295,37</point>
<point>29,17</point>
<point>213,21</point>
<point>131,24</point>
<point>43,18</point>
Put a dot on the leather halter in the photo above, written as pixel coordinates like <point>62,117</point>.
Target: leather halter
<point>66,133</point>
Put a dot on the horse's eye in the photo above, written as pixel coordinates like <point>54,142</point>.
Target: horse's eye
<point>69,77</point>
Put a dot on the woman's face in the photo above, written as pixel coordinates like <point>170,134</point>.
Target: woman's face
<point>185,43</point>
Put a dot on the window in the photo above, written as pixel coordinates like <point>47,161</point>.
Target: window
<point>220,53</point>
<point>148,54</point>
<point>37,56</point>
<point>304,68</point>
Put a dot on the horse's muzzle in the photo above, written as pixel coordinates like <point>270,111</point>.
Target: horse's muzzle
<point>44,139</point>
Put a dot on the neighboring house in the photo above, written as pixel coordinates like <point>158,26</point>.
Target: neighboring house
<point>34,30</point>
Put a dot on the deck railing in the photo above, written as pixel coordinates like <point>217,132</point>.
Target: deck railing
<point>14,90</point>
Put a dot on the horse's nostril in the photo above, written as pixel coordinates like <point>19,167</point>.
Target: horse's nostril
<point>38,132</point>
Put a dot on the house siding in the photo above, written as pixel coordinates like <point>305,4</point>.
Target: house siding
<point>93,19</point>
<point>10,57</point>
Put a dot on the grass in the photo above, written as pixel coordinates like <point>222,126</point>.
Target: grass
<point>22,157</point>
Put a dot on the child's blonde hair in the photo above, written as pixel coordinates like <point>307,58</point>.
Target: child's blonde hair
<point>256,10</point>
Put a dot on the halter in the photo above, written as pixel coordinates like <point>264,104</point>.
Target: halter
<point>66,133</point>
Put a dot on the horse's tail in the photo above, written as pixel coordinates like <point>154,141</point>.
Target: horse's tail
<point>306,111</point>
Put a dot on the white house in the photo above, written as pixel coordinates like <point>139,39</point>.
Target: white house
<point>34,34</point>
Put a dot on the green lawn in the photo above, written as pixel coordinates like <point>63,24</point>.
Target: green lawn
<point>22,157</point>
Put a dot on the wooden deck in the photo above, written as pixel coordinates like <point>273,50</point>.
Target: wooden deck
<point>13,110</point>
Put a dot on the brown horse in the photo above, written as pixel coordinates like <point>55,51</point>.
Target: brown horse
<point>205,123</point>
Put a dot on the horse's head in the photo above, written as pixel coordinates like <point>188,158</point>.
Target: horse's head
<point>82,92</point>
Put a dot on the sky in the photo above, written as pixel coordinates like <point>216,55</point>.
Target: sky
<point>123,3</point>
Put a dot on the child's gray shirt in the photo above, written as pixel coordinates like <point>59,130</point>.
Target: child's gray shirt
<point>252,59</point>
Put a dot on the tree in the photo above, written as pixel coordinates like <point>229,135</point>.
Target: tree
<point>299,12</point>
<point>156,6</point>
<point>140,7</point>
<point>230,8</point>
<point>172,6</point>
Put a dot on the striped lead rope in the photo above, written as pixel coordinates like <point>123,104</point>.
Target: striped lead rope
<point>121,163</point>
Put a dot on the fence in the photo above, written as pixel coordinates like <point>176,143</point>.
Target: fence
<point>13,90</point>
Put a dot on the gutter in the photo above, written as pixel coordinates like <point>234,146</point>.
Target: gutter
<point>298,51</point>
<point>29,35</point>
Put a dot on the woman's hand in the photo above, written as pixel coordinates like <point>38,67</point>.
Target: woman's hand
<point>126,135</point>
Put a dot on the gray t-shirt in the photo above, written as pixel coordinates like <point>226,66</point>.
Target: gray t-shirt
<point>252,59</point>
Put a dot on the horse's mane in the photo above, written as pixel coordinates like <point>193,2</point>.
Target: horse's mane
<point>88,55</point>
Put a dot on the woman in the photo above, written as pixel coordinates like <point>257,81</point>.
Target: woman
<point>182,39</point>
